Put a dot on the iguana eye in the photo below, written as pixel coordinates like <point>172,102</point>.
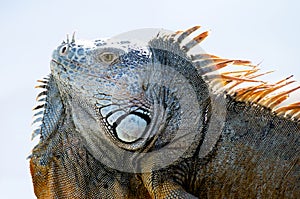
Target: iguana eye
<point>108,57</point>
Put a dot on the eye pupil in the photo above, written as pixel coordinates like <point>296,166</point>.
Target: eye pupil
<point>109,57</point>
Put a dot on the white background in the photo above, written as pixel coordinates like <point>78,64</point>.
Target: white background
<point>258,30</point>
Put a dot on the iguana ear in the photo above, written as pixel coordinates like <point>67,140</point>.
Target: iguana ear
<point>49,108</point>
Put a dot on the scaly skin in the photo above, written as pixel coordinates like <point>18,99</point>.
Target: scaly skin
<point>129,120</point>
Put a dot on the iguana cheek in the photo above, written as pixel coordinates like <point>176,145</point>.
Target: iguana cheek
<point>131,128</point>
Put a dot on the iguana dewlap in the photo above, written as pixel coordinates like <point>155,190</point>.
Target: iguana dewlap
<point>120,118</point>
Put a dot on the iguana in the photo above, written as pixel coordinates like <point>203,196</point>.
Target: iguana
<point>121,118</point>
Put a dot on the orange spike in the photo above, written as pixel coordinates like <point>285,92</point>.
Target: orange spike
<point>243,96</point>
<point>295,113</point>
<point>218,60</point>
<point>290,91</point>
<point>223,64</point>
<point>213,56</point>
<point>201,37</point>
<point>240,72</point>
<point>259,75</point>
<point>195,41</point>
<point>256,95</point>
<point>270,100</point>
<point>172,36</point>
<point>276,102</point>
<point>297,116</point>
<point>211,62</point>
<point>41,86</point>
<point>232,90</point>
<point>210,67</point>
<point>260,99</point>
<point>42,81</point>
<point>191,30</point>
<point>254,91</point>
<point>186,33</point>
<point>242,62</point>
<point>239,79</point>
<point>201,57</point>
<point>253,70</point>
<point>295,106</point>
<point>283,80</point>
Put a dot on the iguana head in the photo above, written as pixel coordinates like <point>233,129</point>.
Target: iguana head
<point>128,95</point>
<point>107,76</point>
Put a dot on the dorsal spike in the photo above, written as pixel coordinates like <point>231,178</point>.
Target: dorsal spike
<point>201,57</point>
<point>277,101</point>
<point>256,94</point>
<point>200,65</point>
<point>249,75</point>
<point>73,38</point>
<point>243,94</point>
<point>172,36</point>
<point>41,86</point>
<point>41,94</point>
<point>39,119</point>
<point>68,40</point>
<point>38,107</point>
<point>35,133</point>
<point>240,79</point>
<point>241,72</point>
<point>201,36</point>
<point>284,80</point>
<point>38,113</point>
<point>196,40</point>
<point>295,107</point>
<point>186,33</point>
<point>278,98</point>
<point>260,98</point>
<point>42,81</point>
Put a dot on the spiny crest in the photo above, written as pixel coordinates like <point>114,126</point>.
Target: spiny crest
<point>48,110</point>
<point>264,94</point>
<point>39,109</point>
